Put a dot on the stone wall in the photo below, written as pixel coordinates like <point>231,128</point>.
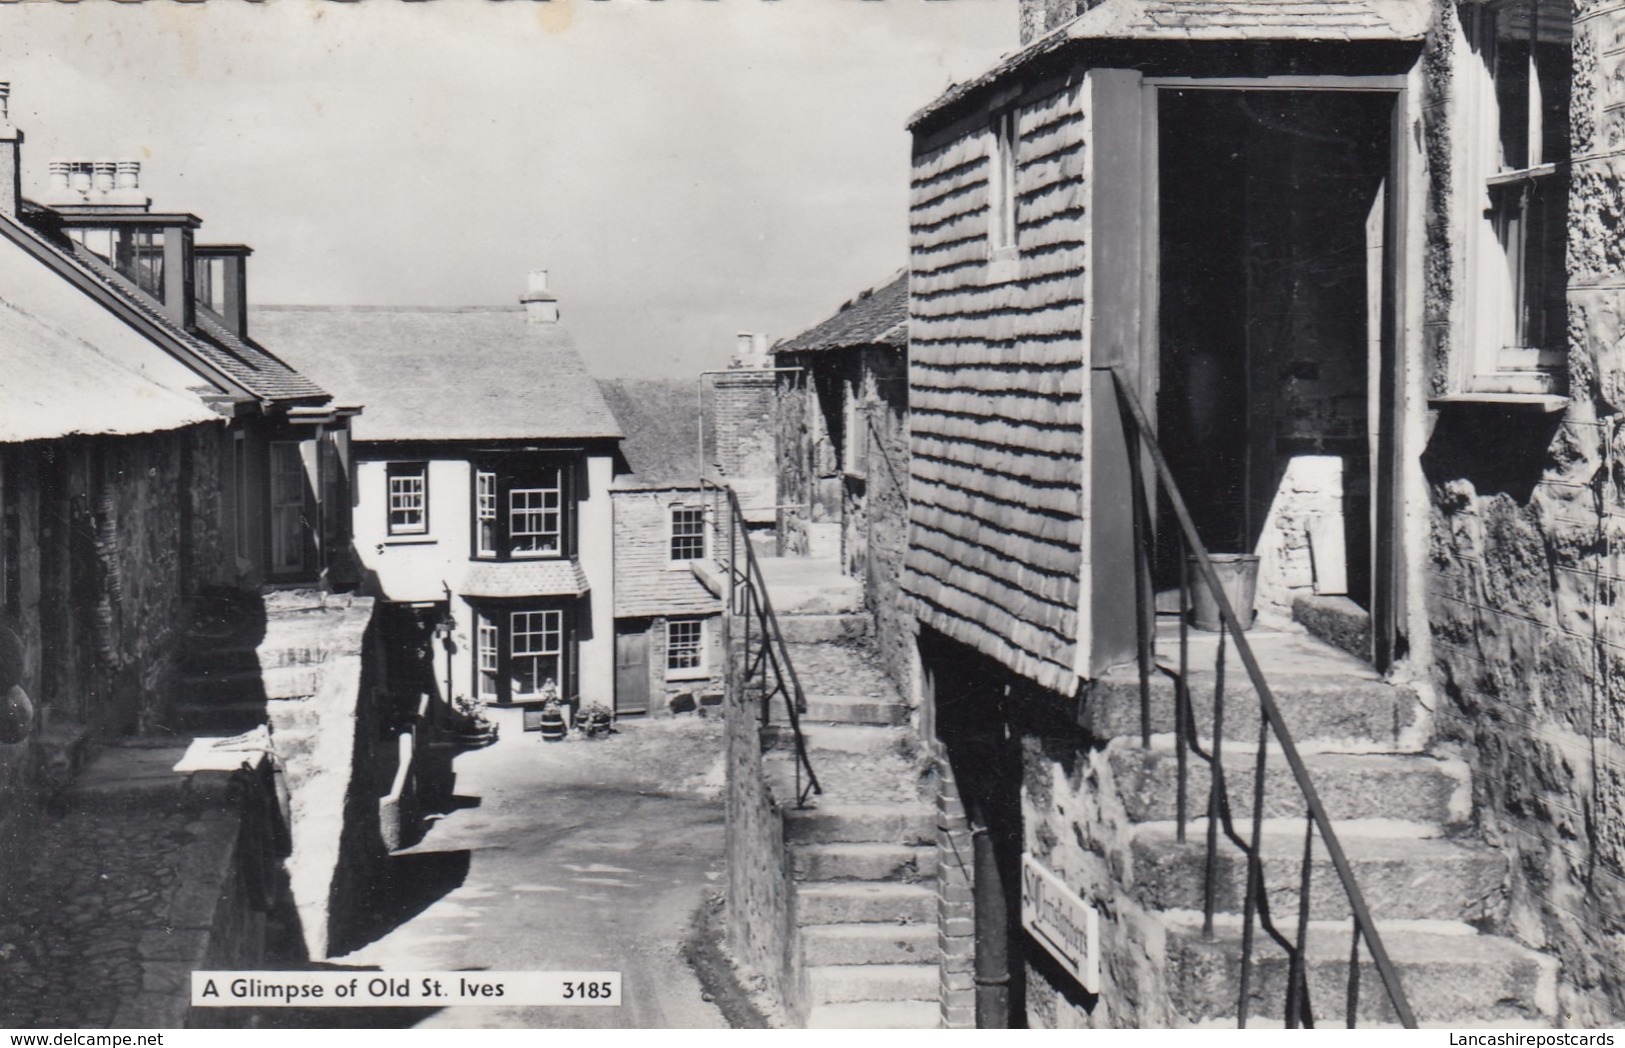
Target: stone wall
<point>1523,555</point>
<point>809,477</point>
<point>761,920</point>
<point>879,510</point>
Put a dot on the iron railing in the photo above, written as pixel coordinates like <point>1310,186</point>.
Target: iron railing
<point>768,670</point>
<point>1297,1009</point>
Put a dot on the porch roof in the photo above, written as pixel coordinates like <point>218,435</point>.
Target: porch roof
<point>549,578</point>
<point>1220,21</point>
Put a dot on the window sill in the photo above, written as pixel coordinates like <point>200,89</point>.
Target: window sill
<point>410,540</point>
<point>700,674</point>
<point>683,565</point>
<point>1542,402</point>
<point>1003,265</point>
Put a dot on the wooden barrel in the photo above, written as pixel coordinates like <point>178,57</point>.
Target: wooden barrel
<point>552,724</point>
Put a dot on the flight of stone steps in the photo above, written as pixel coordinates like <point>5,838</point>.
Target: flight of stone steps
<point>863,853</point>
<point>1403,816</point>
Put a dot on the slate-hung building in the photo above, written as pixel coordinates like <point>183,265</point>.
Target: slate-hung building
<point>483,472</point>
<point>1355,261</point>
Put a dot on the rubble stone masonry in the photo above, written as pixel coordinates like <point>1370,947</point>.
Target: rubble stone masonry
<point>1526,553</point>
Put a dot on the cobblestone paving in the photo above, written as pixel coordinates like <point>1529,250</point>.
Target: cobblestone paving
<point>90,901</point>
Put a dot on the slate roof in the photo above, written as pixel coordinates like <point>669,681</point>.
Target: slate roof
<point>57,382</point>
<point>477,373</point>
<point>549,578</point>
<point>260,372</point>
<point>661,422</point>
<point>878,317</point>
<point>1212,20</point>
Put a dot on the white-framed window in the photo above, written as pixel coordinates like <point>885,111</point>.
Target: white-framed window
<point>523,654</point>
<point>535,663</point>
<point>408,498</point>
<point>535,518</point>
<point>1001,184</point>
<point>1517,156</point>
<point>485,513</point>
<point>685,646</point>
<point>687,533</point>
<point>487,654</point>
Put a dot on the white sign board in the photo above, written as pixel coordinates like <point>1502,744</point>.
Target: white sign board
<point>1061,922</point>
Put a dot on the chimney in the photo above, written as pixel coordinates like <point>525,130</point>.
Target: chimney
<point>541,305</point>
<point>750,350</point>
<point>11,142</point>
<point>127,186</point>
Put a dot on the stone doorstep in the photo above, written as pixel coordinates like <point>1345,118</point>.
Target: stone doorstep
<point>863,861</point>
<point>1413,787</point>
<point>866,944</point>
<point>1402,878</point>
<point>858,823</point>
<point>865,902</point>
<point>849,983</point>
<point>872,739</point>
<point>1369,714</point>
<point>1450,974</point>
<point>876,1015</point>
<point>272,682</point>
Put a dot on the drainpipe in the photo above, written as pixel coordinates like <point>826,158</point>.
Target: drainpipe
<point>992,922</point>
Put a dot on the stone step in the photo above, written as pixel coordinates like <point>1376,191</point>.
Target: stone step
<point>274,682</point>
<point>896,824</point>
<point>215,718</point>
<point>876,1015</point>
<point>821,629</point>
<point>1402,878</point>
<point>864,902</point>
<point>869,944</point>
<point>863,861</point>
<point>1412,787</point>
<point>844,597</point>
<point>870,739</point>
<point>1449,973</point>
<point>847,709</point>
<point>1362,713</point>
<point>841,668</point>
<point>850,983</point>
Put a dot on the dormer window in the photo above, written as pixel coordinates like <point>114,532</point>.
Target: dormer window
<point>135,253</point>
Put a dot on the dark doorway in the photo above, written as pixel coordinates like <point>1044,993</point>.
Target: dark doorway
<point>632,667</point>
<point>1271,260</point>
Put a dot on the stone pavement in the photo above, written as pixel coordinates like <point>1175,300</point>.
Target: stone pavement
<point>115,903</point>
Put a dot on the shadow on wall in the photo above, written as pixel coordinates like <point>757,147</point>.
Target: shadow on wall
<point>1524,444</point>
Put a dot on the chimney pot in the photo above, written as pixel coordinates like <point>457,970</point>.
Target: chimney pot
<point>129,174</point>
<point>541,305</point>
<point>5,101</point>
<point>80,171</point>
<point>102,175</point>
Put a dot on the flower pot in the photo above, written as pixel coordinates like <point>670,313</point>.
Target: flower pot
<point>1238,576</point>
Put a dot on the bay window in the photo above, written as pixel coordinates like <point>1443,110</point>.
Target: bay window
<point>524,653</point>
<point>523,507</point>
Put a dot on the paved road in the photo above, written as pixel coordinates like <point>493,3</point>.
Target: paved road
<point>578,855</point>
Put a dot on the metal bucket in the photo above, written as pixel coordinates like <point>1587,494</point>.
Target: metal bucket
<point>1238,575</point>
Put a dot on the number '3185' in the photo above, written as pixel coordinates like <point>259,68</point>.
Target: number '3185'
<point>588,991</point>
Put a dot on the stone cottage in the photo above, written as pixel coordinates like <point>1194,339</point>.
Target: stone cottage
<point>1347,269</point>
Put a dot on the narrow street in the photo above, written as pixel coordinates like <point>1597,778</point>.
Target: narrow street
<point>579,855</point>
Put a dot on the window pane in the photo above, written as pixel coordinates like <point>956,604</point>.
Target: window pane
<point>684,644</point>
<point>534,518</point>
<point>536,655</point>
<point>687,533</point>
<point>408,499</point>
<point>485,512</point>
<point>488,658</point>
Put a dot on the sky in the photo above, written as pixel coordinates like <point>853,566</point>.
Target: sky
<point>684,169</point>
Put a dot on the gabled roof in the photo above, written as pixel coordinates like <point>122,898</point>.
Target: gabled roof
<point>1220,21</point>
<point>479,373</point>
<point>877,317</point>
<point>221,356</point>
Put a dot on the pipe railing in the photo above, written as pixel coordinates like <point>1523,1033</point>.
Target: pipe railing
<point>1297,1011</point>
<point>767,659</point>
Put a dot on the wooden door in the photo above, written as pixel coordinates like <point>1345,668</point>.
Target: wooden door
<point>287,475</point>
<point>631,672</point>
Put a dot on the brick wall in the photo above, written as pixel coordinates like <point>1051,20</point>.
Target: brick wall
<point>740,438</point>
<point>956,912</point>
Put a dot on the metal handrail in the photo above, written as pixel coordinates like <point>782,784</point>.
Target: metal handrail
<point>748,600</point>
<point>1256,903</point>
